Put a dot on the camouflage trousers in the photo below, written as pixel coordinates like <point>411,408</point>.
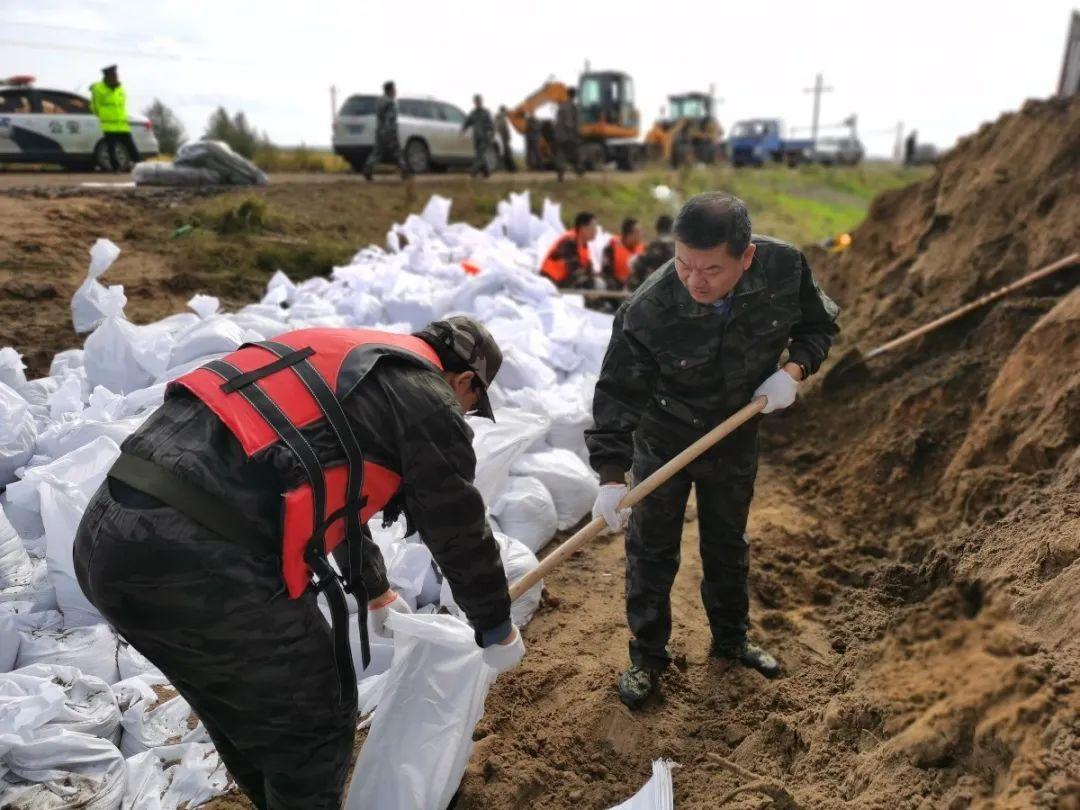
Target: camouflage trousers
<point>725,486</point>
<point>386,150</point>
<point>567,152</point>
<point>213,616</point>
<point>481,146</point>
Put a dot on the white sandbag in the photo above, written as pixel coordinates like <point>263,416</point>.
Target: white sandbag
<point>93,302</point>
<point>65,487</point>
<point>18,433</point>
<point>119,356</point>
<point>573,486</point>
<point>69,435</point>
<point>499,444</point>
<point>10,612</point>
<point>87,704</point>
<point>91,649</point>
<point>526,512</point>
<point>522,370</point>
<point>57,769</point>
<point>429,704</point>
<point>12,368</point>
<point>517,561</point>
<point>14,561</point>
<point>67,360</point>
<point>34,587</point>
<point>658,793</point>
<point>154,715</point>
<point>174,777</point>
<point>382,649</point>
<point>131,663</point>
<point>216,335</point>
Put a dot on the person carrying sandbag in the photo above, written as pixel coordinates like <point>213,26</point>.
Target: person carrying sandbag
<point>207,544</point>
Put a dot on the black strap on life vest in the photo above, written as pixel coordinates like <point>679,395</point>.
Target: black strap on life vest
<point>354,484</point>
<point>326,578</point>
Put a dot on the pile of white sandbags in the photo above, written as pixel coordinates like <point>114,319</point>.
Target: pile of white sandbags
<point>82,714</point>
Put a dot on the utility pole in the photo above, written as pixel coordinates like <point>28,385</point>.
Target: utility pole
<point>898,150</point>
<point>817,90</point>
<point>333,102</point>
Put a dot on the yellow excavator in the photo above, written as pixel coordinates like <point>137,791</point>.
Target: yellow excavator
<point>610,124</point>
<point>689,133</point>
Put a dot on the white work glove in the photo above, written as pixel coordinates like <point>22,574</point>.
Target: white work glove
<point>505,655</point>
<point>779,389</point>
<point>391,601</point>
<point>607,503</point>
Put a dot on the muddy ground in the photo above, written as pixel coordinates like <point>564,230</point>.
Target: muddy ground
<point>915,534</point>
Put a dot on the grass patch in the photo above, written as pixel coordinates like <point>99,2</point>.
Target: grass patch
<point>300,159</point>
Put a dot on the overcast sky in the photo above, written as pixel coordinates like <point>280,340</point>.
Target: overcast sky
<point>940,67</point>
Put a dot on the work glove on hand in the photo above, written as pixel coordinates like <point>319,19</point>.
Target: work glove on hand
<point>607,503</point>
<point>379,609</point>
<point>779,389</point>
<point>506,654</point>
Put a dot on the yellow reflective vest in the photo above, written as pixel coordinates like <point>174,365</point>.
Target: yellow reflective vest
<point>109,104</point>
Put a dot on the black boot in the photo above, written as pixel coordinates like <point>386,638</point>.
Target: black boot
<point>637,684</point>
<point>749,655</point>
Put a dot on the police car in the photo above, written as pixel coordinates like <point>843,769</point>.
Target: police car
<point>55,126</point>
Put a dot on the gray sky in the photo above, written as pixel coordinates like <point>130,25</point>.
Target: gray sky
<point>941,67</point>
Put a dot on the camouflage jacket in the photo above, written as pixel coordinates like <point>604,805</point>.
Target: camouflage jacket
<point>502,126</point>
<point>405,419</point>
<point>386,112</point>
<point>657,253</point>
<point>676,368</point>
<point>483,128</point>
<point>567,122</point>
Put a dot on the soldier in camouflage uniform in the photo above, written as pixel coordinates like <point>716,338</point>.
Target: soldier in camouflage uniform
<point>568,135</point>
<point>483,136</point>
<point>701,338</point>
<point>210,608</point>
<point>502,129</point>
<point>387,148</point>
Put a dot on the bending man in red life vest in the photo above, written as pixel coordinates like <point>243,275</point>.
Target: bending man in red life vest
<point>206,545</point>
<point>568,262</point>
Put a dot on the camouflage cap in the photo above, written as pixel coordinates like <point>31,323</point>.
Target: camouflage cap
<point>473,343</point>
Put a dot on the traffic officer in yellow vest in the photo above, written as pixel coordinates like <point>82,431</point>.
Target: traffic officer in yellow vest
<point>109,103</point>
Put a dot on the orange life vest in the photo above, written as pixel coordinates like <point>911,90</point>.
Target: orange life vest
<point>554,266</point>
<point>621,256</point>
<point>265,392</point>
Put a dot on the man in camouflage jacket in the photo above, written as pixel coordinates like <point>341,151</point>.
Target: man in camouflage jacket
<point>209,608</point>
<point>697,341</point>
<point>483,136</point>
<point>387,147</point>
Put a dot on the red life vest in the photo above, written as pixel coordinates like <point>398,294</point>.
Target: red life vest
<point>554,266</point>
<point>621,256</point>
<point>265,392</point>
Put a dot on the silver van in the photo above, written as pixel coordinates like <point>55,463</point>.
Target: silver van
<point>429,131</point>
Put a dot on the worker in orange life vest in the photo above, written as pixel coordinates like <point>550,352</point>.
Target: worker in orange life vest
<point>568,262</point>
<point>619,254</point>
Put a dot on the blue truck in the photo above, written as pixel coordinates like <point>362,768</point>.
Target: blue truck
<point>758,141</point>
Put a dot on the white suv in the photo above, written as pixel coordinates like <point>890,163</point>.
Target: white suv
<point>429,132</point>
<point>54,126</point>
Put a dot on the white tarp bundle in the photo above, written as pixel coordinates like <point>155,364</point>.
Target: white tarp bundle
<point>60,433</point>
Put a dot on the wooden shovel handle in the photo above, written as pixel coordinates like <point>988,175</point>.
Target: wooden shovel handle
<point>642,490</point>
<point>978,302</point>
